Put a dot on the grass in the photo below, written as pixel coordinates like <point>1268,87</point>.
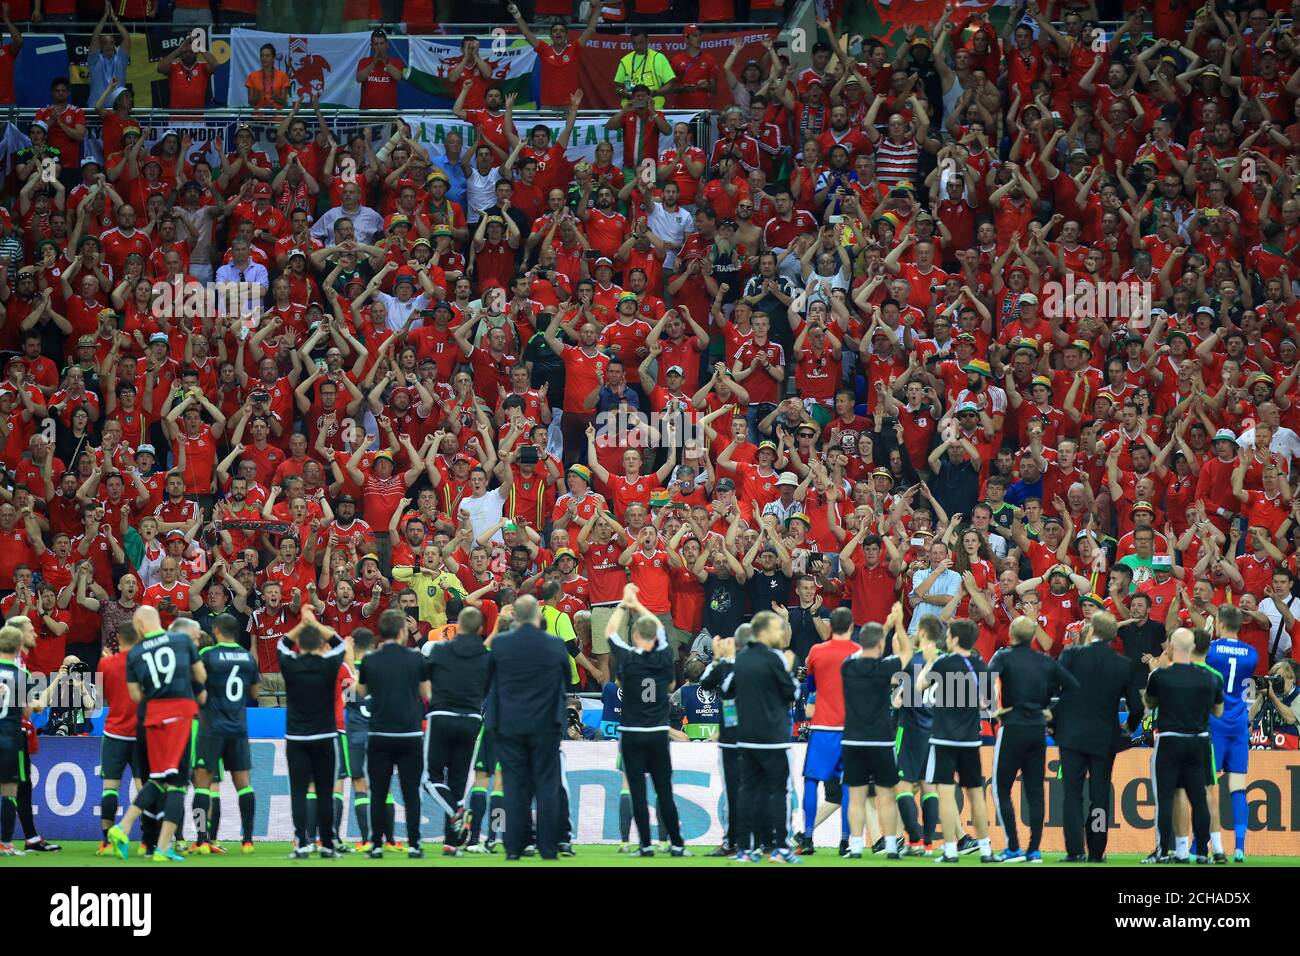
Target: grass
<point>82,854</point>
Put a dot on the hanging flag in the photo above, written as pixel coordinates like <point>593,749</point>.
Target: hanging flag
<point>512,61</point>
<point>322,64</point>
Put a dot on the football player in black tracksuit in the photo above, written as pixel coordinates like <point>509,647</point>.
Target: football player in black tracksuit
<point>1026,683</point>
<point>458,673</point>
<point>394,677</point>
<point>645,669</point>
<point>954,680</point>
<point>869,682</point>
<point>765,688</point>
<point>714,678</point>
<point>1183,697</point>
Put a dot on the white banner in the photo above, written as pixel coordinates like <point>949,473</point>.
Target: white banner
<point>588,132</point>
<point>325,64</point>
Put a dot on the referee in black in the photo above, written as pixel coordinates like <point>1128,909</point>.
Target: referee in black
<point>646,670</point>
<point>310,668</point>
<point>765,688</point>
<point>1088,735</point>
<point>458,674</point>
<point>713,679</point>
<point>394,677</point>
<point>1025,682</point>
<point>1183,697</point>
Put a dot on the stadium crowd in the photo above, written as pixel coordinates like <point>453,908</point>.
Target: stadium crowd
<point>989,323</point>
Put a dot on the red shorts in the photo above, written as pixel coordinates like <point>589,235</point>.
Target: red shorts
<point>167,726</point>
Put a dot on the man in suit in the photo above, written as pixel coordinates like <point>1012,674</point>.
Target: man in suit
<point>1089,736</point>
<point>528,672</point>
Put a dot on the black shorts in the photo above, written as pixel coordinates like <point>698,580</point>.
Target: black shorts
<point>216,753</point>
<point>959,765</point>
<point>115,755</point>
<point>13,759</point>
<point>350,755</point>
<point>485,759</point>
<point>912,753</point>
<point>865,765</point>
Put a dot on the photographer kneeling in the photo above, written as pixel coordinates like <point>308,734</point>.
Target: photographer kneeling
<point>1275,711</point>
<point>72,702</point>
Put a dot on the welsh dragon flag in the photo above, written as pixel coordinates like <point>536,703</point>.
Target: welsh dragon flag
<point>882,19</point>
<point>512,60</point>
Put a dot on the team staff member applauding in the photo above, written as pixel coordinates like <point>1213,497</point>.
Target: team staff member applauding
<point>394,677</point>
<point>869,678</point>
<point>645,671</point>
<point>956,681</point>
<point>310,667</point>
<point>713,679</point>
<point>1186,697</point>
<point>1026,683</point>
<point>764,691</point>
<point>458,684</point>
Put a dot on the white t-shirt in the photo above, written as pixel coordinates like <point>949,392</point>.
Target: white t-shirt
<point>480,192</point>
<point>1285,442</point>
<point>399,311</point>
<point>484,512</point>
<point>1269,608</point>
<point>672,228</point>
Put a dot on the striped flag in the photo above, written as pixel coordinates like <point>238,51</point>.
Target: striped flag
<point>512,61</point>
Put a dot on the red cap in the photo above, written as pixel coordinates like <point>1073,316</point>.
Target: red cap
<point>262,191</point>
<point>690,28</point>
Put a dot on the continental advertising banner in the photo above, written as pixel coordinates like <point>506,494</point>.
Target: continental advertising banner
<point>66,791</point>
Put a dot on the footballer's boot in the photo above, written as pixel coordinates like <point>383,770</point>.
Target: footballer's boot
<point>120,842</point>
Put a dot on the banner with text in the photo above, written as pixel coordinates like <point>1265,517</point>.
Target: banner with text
<point>66,796</point>
<point>324,65</point>
<point>600,56</point>
<point>588,131</point>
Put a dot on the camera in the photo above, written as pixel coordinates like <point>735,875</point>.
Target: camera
<point>61,727</point>
<point>1275,681</point>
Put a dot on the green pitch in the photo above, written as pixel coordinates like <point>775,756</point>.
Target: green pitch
<point>82,854</point>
